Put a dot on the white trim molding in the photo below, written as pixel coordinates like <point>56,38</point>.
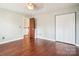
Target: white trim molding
<point>11,40</point>
<point>46,38</point>
<point>77,45</point>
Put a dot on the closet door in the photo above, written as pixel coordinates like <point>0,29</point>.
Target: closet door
<point>65,28</point>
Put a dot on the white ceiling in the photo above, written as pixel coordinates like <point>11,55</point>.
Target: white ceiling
<point>42,7</point>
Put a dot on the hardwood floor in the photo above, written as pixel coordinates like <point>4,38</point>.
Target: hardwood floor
<point>39,47</point>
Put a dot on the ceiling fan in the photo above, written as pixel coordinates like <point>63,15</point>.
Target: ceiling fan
<point>34,6</point>
<point>30,6</point>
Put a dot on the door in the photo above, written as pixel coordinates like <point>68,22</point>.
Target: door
<point>65,28</point>
<point>32,28</point>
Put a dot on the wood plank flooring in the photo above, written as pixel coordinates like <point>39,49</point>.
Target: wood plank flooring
<point>39,47</point>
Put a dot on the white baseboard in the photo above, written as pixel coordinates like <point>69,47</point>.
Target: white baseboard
<point>46,38</point>
<point>77,45</point>
<point>11,40</point>
<point>53,40</point>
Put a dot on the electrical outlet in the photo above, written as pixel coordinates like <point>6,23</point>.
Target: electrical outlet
<point>3,37</point>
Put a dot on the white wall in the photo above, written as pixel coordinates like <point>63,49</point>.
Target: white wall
<point>45,26</point>
<point>11,26</point>
<point>46,23</point>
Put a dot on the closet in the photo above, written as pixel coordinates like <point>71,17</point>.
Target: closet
<point>65,28</point>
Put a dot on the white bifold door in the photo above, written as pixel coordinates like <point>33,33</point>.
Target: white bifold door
<point>65,28</point>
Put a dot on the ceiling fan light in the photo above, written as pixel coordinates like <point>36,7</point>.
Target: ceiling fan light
<point>30,6</point>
